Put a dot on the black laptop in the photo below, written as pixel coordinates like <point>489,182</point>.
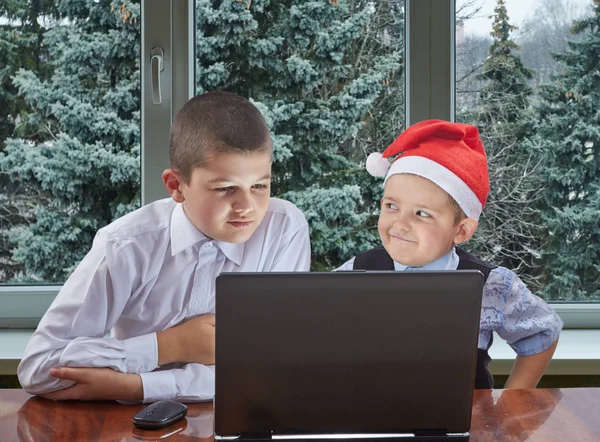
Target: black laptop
<point>346,354</point>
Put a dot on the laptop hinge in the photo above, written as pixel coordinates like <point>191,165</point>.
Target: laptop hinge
<point>261,435</point>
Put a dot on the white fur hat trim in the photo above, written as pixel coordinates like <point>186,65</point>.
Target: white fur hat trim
<point>438,174</point>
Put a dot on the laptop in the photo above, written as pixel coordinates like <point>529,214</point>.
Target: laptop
<point>346,354</point>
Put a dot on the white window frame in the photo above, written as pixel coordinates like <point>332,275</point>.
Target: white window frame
<point>169,24</point>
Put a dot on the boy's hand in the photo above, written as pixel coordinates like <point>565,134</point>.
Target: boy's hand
<point>191,341</point>
<point>97,384</point>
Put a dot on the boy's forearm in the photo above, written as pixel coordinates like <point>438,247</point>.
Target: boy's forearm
<point>45,352</point>
<point>97,384</point>
<point>193,341</point>
<point>528,370</point>
<point>168,346</point>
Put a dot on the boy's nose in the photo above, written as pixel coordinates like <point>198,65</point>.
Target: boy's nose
<point>400,222</point>
<point>242,205</point>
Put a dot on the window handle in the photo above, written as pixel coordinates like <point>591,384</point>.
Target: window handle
<point>156,65</point>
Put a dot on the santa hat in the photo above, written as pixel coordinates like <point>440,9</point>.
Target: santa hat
<point>449,154</point>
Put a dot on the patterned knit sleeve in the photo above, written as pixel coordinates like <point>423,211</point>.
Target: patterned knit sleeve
<point>525,321</point>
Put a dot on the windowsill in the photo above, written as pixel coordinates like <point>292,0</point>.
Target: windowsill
<point>12,349</point>
<point>578,353</point>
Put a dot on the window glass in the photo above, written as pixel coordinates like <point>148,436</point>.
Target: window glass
<point>328,78</point>
<point>527,76</point>
<point>69,130</point>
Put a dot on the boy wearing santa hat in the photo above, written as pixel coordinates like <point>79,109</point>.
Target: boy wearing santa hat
<point>435,191</point>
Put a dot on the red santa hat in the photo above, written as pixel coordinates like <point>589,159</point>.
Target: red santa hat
<point>449,154</point>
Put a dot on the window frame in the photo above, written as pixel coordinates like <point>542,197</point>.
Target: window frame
<point>430,76</point>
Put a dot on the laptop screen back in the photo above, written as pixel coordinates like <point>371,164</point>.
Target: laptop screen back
<point>345,352</point>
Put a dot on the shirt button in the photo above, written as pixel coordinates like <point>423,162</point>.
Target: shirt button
<point>209,244</point>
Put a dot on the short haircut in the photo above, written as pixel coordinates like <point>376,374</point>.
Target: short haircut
<point>214,123</point>
<point>459,213</point>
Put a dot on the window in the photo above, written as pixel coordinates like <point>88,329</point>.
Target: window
<point>69,131</point>
<point>328,77</point>
<point>330,81</point>
<point>69,140</point>
<point>533,111</point>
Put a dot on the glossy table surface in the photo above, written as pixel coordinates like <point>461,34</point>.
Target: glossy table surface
<point>500,415</point>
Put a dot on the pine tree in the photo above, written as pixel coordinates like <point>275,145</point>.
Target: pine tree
<point>508,232</point>
<point>327,77</point>
<point>568,133</point>
<point>79,145</point>
<point>21,46</point>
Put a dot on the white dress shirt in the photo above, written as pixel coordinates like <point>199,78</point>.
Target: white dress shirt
<point>146,272</point>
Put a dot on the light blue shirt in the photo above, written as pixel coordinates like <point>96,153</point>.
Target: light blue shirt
<point>524,320</point>
<point>446,262</point>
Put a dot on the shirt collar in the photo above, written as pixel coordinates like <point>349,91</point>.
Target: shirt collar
<point>446,262</point>
<point>233,252</point>
<point>185,235</point>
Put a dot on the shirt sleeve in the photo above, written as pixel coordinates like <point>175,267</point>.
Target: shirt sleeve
<point>525,321</point>
<point>196,382</point>
<point>190,383</point>
<point>73,331</point>
<point>294,253</point>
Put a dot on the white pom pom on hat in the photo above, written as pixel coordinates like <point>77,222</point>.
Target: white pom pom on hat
<point>377,165</point>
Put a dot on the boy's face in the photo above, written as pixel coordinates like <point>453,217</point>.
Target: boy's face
<point>227,198</point>
<point>417,224</point>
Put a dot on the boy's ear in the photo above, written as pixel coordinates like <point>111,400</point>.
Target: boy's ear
<point>173,183</point>
<point>466,230</point>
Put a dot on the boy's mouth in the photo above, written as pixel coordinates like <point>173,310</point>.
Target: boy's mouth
<point>240,223</point>
<point>399,238</point>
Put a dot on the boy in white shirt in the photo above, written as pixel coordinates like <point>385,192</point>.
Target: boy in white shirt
<point>150,275</point>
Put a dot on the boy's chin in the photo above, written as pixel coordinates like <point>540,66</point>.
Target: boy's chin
<point>236,236</point>
<point>404,258</point>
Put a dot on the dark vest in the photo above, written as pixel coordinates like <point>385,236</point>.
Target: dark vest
<point>379,259</point>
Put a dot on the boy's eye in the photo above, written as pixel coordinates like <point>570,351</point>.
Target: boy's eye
<point>391,206</point>
<point>225,189</point>
<point>423,214</point>
<point>260,186</point>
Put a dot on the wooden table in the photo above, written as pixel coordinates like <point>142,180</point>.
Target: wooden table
<point>500,415</point>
